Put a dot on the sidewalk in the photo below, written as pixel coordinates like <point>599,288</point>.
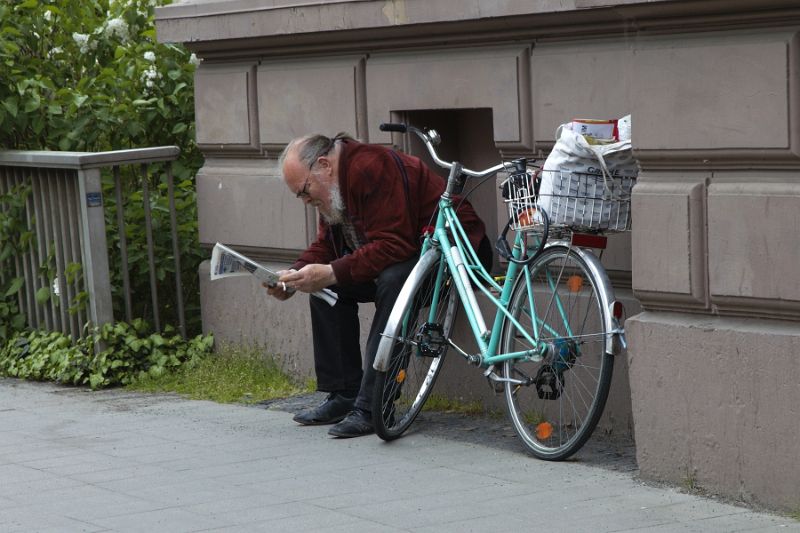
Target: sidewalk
<point>72,460</point>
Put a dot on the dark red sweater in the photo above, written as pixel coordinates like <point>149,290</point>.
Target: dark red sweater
<point>389,227</point>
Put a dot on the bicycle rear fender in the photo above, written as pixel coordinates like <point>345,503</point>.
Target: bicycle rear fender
<point>607,299</point>
<point>416,277</point>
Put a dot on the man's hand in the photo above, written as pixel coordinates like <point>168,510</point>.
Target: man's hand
<point>310,278</point>
<point>281,291</point>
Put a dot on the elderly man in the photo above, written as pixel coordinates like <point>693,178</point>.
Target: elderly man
<point>374,205</point>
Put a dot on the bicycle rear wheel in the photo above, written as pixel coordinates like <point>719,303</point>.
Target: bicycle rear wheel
<point>555,403</point>
<point>419,345</point>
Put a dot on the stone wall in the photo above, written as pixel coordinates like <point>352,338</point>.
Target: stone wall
<point>712,259</point>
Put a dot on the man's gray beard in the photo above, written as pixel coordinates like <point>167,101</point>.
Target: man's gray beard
<point>336,216</point>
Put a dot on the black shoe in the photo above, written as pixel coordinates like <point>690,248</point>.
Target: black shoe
<point>357,423</point>
<point>332,410</point>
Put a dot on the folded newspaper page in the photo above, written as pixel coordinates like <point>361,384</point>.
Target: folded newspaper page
<point>226,263</point>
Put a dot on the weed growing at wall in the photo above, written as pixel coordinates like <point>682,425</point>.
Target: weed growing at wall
<point>233,374</point>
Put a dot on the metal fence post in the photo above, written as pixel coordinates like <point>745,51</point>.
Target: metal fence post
<point>94,247</point>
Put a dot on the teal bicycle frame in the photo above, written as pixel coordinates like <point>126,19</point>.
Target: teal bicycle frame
<point>450,239</point>
<point>466,271</point>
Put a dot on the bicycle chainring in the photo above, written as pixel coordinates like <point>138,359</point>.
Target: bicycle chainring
<point>430,339</point>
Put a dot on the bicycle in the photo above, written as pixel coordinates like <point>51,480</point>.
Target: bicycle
<point>550,349</point>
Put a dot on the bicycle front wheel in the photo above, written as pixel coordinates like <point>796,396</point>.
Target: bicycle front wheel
<point>555,403</point>
<point>419,345</point>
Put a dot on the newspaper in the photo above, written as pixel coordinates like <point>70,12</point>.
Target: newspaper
<point>226,263</point>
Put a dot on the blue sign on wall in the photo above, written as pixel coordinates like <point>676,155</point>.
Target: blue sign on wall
<point>94,199</point>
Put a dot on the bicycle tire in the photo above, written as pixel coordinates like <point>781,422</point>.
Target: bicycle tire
<point>557,401</point>
<point>402,390</point>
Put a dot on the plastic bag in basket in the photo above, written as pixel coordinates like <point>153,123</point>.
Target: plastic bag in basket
<point>588,185</point>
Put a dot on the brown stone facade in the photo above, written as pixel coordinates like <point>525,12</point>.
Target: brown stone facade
<point>710,386</point>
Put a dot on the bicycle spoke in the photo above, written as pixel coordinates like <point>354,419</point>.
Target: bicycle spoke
<point>428,316</point>
<point>568,387</point>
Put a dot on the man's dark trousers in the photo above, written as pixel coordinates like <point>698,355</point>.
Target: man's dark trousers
<point>336,332</point>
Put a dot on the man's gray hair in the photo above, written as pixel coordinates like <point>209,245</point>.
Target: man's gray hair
<point>310,147</point>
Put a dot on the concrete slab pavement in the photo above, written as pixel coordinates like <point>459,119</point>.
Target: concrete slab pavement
<point>72,460</point>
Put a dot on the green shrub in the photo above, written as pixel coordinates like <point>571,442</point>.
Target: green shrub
<point>90,76</point>
<point>127,352</point>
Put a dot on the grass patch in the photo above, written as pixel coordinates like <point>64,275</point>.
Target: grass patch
<point>437,402</point>
<point>233,374</point>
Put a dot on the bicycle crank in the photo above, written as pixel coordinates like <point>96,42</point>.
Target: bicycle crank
<point>430,339</point>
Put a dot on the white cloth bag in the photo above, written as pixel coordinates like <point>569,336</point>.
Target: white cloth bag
<point>588,185</point>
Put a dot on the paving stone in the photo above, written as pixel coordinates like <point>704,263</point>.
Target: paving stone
<point>115,460</point>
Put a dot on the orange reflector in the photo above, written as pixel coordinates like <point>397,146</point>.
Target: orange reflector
<point>401,376</point>
<point>544,430</point>
<point>527,217</point>
<point>574,283</point>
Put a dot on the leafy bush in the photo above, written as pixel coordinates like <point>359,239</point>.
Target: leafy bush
<point>90,76</point>
<point>128,352</point>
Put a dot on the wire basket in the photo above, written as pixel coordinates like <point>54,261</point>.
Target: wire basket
<point>584,202</point>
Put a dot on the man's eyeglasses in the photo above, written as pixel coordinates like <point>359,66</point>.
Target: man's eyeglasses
<point>303,193</point>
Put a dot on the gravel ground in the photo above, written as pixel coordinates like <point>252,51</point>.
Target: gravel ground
<point>491,431</point>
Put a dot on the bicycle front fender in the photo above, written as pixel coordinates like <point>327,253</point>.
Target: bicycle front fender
<point>417,276</point>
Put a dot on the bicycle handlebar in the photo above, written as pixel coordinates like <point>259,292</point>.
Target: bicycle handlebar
<point>431,138</point>
<point>392,126</point>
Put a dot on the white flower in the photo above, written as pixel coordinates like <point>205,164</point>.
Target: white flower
<point>54,51</point>
<point>117,27</point>
<point>48,15</point>
<point>149,76</point>
<point>194,60</point>
<point>82,40</point>
<point>150,56</point>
